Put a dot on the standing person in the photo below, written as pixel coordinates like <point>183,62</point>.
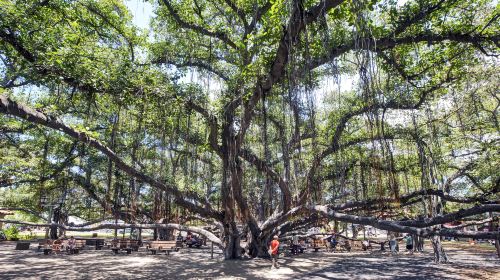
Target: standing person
<point>273,250</point>
<point>409,243</point>
<point>392,243</point>
<point>366,244</point>
<point>333,242</point>
<point>295,244</point>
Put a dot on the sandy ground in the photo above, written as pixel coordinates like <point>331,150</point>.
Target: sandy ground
<point>466,263</point>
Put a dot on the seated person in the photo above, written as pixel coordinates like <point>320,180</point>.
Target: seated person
<point>333,242</point>
<point>189,239</point>
<point>295,244</point>
<point>179,237</point>
<point>71,245</point>
<point>347,245</point>
<point>57,245</point>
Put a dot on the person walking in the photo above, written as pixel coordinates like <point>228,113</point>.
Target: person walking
<point>273,251</point>
<point>295,244</point>
<point>392,243</point>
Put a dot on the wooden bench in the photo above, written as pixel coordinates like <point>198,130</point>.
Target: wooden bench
<point>163,246</point>
<point>46,246</point>
<point>42,244</point>
<point>79,245</point>
<point>367,247</point>
<point>318,244</point>
<point>345,245</point>
<point>124,245</point>
<point>50,246</point>
<point>93,242</point>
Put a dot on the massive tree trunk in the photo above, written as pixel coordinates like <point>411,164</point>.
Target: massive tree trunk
<point>230,180</point>
<point>258,245</point>
<point>439,253</point>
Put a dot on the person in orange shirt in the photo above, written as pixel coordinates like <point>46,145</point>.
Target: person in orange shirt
<point>273,250</point>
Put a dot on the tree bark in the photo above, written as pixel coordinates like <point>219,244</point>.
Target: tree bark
<point>440,255</point>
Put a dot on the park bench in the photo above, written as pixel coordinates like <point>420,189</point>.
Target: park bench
<point>345,245</point>
<point>97,243</point>
<point>163,246</point>
<point>318,244</point>
<point>42,243</point>
<point>300,248</point>
<point>79,245</point>
<point>50,246</point>
<point>367,246</point>
<point>124,245</point>
<point>47,245</point>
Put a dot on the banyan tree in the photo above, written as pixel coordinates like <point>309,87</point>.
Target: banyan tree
<point>254,118</point>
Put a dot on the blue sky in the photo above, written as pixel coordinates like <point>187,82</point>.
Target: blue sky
<point>142,12</point>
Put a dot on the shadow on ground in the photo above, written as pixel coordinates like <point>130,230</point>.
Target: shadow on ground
<point>197,264</point>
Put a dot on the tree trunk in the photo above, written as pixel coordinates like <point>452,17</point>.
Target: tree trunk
<point>231,242</point>
<point>439,253</point>
<point>258,246</point>
<point>55,219</point>
<point>355,231</point>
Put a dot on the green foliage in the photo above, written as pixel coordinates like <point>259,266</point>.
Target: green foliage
<point>12,232</point>
<point>89,66</point>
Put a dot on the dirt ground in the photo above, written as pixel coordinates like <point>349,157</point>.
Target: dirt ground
<point>467,262</point>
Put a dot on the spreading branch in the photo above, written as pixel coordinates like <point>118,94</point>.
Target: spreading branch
<point>210,236</point>
<point>190,201</point>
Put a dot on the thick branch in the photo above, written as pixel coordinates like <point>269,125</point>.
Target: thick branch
<point>25,210</point>
<point>10,107</point>
<point>263,167</point>
<point>455,216</point>
<point>210,236</point>
<point>398,227</point>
